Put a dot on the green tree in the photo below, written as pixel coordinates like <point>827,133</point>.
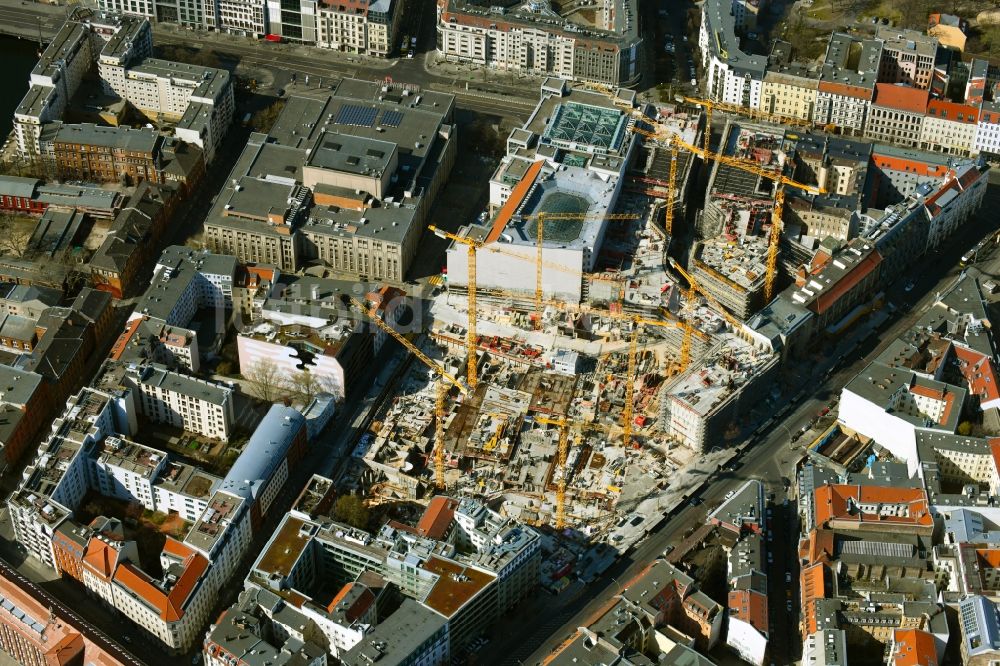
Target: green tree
<point>351,509</point>
<point>964,428</point>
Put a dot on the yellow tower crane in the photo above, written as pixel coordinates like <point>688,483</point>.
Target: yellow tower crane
<point>668,139</point>
<point>696,286</point>
<point>473,245</point>
<point>563,425</point>
<point>782,181</point>
<point>471,338</point>
<point>442,388</point>
<point>541,219</point>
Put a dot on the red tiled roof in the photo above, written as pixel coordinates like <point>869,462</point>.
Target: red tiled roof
<point>901,98</point>
<point>904,164</point>
<point>122,342</point>
<point>100,557</point>
<point>913,647</point>
<point>988,558</point>
<point>751,607</point>
<point>358,608</point>
<point>842,502</point>
<point>969,177</point>
<point>980,372</point>
<point>437,517</point>
<point>845,90</point>
<point>170,604</point>
<point>858,273</point>
<point>813,587</point>
<point>946,110</point>
<point>517,195</point>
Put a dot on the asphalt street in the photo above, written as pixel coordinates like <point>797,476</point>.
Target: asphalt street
<point>475,89</point>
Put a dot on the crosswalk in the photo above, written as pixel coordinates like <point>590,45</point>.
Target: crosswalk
<point>436,280</point>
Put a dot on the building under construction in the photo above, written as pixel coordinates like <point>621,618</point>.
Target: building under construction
<point>701,408</point>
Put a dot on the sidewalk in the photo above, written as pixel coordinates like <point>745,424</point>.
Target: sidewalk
<point>437,66</point>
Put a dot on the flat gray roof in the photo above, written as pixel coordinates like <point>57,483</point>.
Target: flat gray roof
<point>351,154</point>
<point>393,641</point>
<point>724,43</point>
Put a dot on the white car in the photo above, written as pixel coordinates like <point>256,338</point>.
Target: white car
<point>730,494</point>
<point>788,576</point>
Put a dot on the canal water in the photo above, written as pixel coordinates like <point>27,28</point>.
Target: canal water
<point>18,57</point>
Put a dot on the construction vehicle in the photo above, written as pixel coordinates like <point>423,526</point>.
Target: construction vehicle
<point>442,388</point>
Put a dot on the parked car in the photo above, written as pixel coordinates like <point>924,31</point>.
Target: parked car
<point>788,576</point>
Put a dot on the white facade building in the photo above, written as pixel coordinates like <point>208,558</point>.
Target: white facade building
<point>987,139</point>
<point>732,76</point>
<point>196,405</point>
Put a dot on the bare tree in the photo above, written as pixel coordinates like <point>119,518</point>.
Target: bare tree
<point>304,385</point>
<point>14,240</point>
<point>265,380</point>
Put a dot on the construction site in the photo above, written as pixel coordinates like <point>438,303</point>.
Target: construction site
<point>573,369</point>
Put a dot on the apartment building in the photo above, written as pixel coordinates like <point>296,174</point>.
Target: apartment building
<point>949,127</point>
<point>34,633</point>
<point>200,15</point>
<point>604,47</point>
<point>846,87</point>
<point>746,13</point>
<point>242,17</point>
<point>732,76</point>
<point>791,91</point>
<point>655,616</point>
<point>979,619</point>
<point>197,99</point>
<point>186,283</point>
<point>908,57</point>
<point>987,139</point>
<point>196,405</point>
<point>460,568</point>
<point>105,154</point>
<point>64,63</point>
<point>951,31</point>
<point>90,448</point>
<point>260,473</point>
<point>262,622</point>
<point>132,240</point>
<point>897,114</point>
<point>359,26</point>
<point>26,406</point>
<point>303,326</point>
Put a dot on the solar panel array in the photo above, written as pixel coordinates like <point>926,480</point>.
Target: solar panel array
<point>391,118</point>
<point>359,116</point>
